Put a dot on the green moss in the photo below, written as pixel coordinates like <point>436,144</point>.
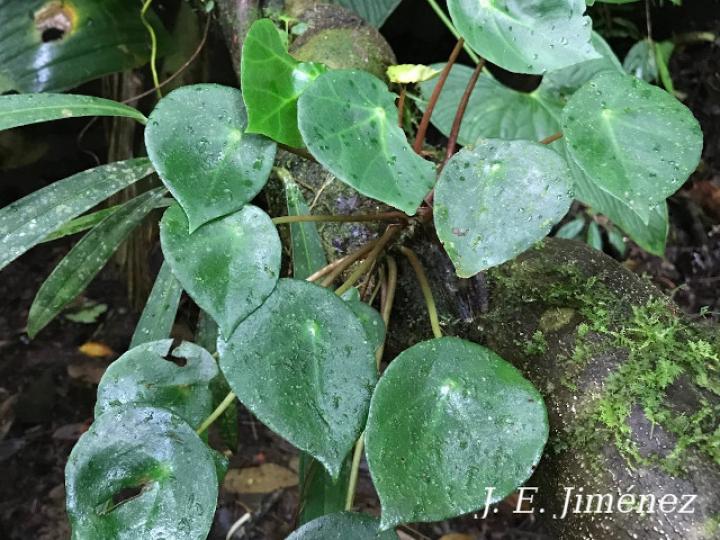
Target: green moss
<point>658,346</point>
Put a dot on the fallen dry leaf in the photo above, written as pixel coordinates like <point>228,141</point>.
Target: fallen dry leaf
<point>266,478</point>
<point>95,349</point>
<point>456,536</point>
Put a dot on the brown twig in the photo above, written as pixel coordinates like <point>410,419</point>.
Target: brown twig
<point>357,218</point>
<point>388,235</point>
<point>425,122</point>
<point>344,262</point>
<point>459,115</point>
<point>401,106</point>
<point>552,138</point>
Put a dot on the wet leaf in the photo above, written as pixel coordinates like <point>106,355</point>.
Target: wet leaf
<point>571,229</point>
<point>51,46</point>
<point>228,266</point>
<point>266,478</point>
<point>25,109</point>
<point>650,236</point>
<point>594,236</point>
<point>374,12</point>
<point>303,365</point>
<point>319,493</point>
<point>348,120</point>
<point>156,457</point>
<point>28,221</point>
<point>345,525</point>
<point>495,201</point>
<point>533,36</point>
<point>143,377</point>
<point>196,138</point>
<point>156,320</point>
<point>308,254</point>
<point>494,110</point>
<point>464,419</point>
<point>272,81</point>
<point>371,320</point>
<point>632,140</point>
<point>78,268</point>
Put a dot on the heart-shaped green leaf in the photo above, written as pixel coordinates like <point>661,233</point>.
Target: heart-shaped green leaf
<point>532,36</point>
<point>147,450</point>
<point>303,365</point>
<point>196,138</point>
<point>466,421</point>
<point>495,201</point>
<point>228,266</point>
<point>345,525</point>
<point>348,120</point>
<point>650,236</point>
<point>375,12</point>
<point>633,140</point>
<point>272,81</point>
<point>371,320</point>
<point>494,110</point>
<point>143,377</point>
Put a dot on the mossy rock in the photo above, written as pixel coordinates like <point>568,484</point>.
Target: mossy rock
<point>631,385</point>
<point>340,39</point>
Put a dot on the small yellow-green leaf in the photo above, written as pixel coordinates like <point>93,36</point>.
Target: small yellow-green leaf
<point>411,73</point>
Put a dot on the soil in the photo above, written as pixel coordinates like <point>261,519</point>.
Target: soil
<point>47,385</point>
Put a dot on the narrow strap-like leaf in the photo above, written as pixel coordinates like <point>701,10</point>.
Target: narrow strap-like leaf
<point>23,109</point>
<point>159,314</point>
<point>28,221</point>
<point>86,259</point>
<point>308,254</point>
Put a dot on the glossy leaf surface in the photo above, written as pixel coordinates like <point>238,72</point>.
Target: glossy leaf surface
<point>532,36</point>
<point>345,525</point>
<point>197,140</point>
<point>348,120</point>
<point>650,236</point>
<point>308,254</point>
<point>494,110</point>
<point>156,320</point>
<point>375,12</point>
<point>495,201</point>
<point>272,81</point>
<point>632,140</point>
<point>303,365</point>
<point>24,109</point>
<point>54,46</point>
<point>371,320</point>
<point>28,221</point>
<point>143,377</point>
<point>78,268</point>
<point>228,266</point>
<point>465,420</point>
<point>150,449</point>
